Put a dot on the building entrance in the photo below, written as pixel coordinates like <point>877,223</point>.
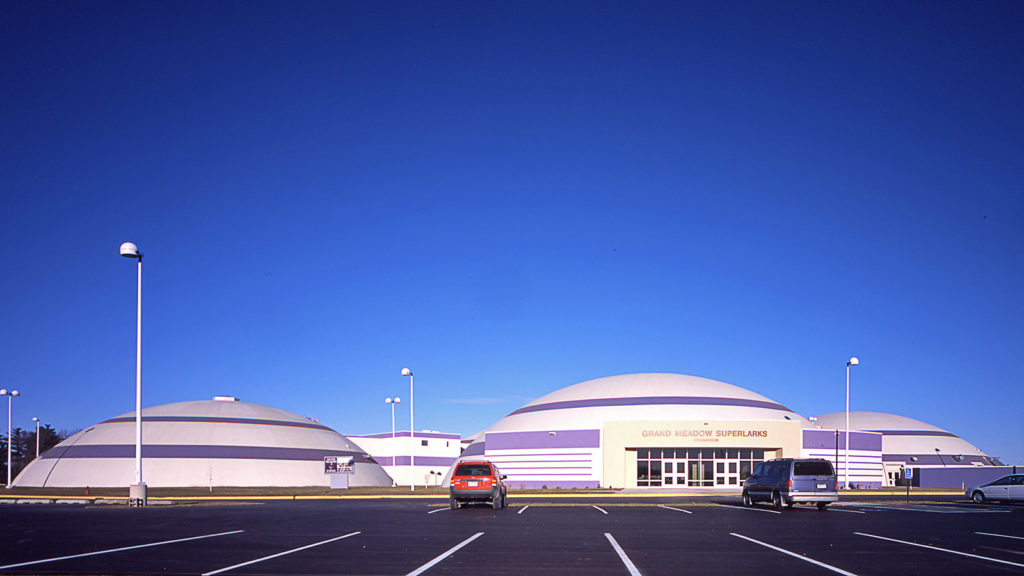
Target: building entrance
<point>696,467</point>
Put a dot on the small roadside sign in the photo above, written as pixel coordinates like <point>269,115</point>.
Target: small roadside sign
<point>338,464</point>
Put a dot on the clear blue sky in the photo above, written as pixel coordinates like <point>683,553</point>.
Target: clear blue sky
<point>510,198</point>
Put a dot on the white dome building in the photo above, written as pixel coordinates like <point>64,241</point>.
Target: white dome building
<point>905,438</point>
<point>219,442</point>
<point>641,430</point>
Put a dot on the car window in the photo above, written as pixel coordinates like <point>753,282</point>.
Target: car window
<point>473,470</point>
<point>813,468</point>
<point>1018,480</point>
<point>1005,481</point>
<point>760,470</point>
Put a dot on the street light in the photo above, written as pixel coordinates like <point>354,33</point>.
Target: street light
<point>10,396</point>
<point>137,491</point>
<point>36,420</point>
<point>846,466</point>
<point>412,436</point>
<point>397,400</point>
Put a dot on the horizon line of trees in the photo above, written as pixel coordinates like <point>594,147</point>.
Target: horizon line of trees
<point>23,448</point>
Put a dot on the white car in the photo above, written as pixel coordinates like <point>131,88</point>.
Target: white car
<point>1006,488</point>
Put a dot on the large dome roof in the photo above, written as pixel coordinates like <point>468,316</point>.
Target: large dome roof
<point>903,437</point>
<point>220,442</point>
<point>636,397</point>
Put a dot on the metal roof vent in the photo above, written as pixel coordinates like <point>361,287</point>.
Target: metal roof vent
<point>225,399</point>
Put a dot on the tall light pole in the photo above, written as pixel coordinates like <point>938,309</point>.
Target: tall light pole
<point>137,491</point>
<point>846,466</point>
<point>36,420</point>
<point>397,400</point>
<point>10,396</point>
<point>412,435</point>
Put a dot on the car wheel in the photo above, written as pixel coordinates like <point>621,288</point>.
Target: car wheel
<point>453,503</point>
<point>746,499</point>
<point>504,500</point>
<point>496,502</point>
<point>822,506</point>
<point>777,500</point>
<point>978,497</point>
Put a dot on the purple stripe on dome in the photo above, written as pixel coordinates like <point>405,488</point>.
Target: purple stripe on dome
<point>218,420</point>
<point>187,451</point>
<point>915,433</point>
<point>646,400</point>
<point>543,439</point>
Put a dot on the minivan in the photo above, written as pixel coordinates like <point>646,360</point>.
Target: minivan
<point>792,480</point>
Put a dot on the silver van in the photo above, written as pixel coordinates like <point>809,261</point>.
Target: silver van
<point>792,480</point>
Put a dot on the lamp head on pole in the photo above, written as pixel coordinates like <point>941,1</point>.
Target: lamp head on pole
<point>853,361</point>
<point>406,372</point>
<point>130,250</point>
<point>36,420</point>
<point>397,400</point>
<point>387,400</point>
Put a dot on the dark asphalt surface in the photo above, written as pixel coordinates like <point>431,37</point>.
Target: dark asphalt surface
<point>551,536</point>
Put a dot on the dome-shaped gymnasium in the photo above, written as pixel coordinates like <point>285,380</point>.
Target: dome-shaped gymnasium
<point>219,442</point>
<point>641,430</point>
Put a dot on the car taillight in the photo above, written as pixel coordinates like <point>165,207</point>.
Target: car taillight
<point>790,483</point>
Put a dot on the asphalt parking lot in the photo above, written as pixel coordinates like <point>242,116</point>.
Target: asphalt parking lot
<point>533,536</point>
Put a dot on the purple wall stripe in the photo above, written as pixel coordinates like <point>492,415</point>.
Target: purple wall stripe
<point>826,439</point>
<point>536,454</point>
<point>554,484</point>
<point>543,439</point>
<point>556,474</point>
<point>218,420</point>
<point>645,400</point>
<point>959,477</point>
<point>559,461</point>
<point>420,461</point>
<point>187,451</point>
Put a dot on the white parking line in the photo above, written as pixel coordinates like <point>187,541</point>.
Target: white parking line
<point>752,508</point>
<point>523,509</point>
<point>931,509</point>
<point>601,510</point>
<point>1000,535</point>
<point>831,509</point>
<point>794,555</point>
<point>450,551</point>
<point>278,554</point>
<point>941,549</point>
<point>622,556</point>
<point>676,509</point>
<point>438,510</point>
<point>121,549</point>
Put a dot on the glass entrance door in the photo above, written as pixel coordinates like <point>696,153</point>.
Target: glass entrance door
<point>674,472</point>
<point>727,472</point>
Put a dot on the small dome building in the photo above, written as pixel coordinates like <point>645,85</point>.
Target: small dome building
<point>906,441</point>
<point>219,442</point>
<point>641,430</point>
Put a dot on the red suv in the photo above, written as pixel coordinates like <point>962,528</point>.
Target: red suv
<point>477,481</point>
